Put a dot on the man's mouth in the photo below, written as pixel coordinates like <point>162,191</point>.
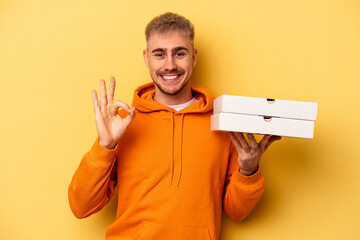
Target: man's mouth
<point>172,77</point>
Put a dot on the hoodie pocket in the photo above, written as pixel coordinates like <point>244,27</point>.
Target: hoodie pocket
<point>161,232</point>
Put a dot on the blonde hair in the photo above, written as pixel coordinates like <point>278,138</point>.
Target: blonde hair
<point>168,22</point>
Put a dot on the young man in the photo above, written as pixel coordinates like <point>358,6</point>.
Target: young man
<point>174,175</point>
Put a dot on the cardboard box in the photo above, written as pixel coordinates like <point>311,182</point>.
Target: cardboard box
<point>264,116</point>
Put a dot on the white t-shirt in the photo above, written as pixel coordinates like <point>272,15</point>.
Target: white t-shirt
<point>183,105</point>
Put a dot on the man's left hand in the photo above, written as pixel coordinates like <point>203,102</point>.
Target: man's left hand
<point>249,154</point>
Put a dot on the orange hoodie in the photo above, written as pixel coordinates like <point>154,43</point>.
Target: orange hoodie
<point>173,175</point>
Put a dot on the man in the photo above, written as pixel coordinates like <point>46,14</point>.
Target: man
<point>174,175</point>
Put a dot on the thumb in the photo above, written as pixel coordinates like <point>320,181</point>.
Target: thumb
<point>271,140</point>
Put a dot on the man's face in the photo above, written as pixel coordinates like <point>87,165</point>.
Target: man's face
<point>170,58</point>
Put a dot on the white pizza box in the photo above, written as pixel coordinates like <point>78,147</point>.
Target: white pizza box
<point>266,107</point>
<point>262,125</point>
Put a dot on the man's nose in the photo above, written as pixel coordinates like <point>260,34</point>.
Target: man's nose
<point>170,63</point>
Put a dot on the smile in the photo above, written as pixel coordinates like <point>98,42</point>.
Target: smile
<point>171,77</point>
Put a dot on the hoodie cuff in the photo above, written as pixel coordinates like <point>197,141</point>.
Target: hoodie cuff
<point>102,152</point>
<point>100,157</point>
<point>251,178</point>
<point>250,186</point>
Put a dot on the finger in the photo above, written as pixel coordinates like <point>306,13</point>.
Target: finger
<point>95,101</point>
<point>235,141</point>
<point>242,141</point>
<point>272,139</point>
<point>103,100</point>
<point>132,111</point>
<point>264,141</point>
<point>110,95</point>
<point>130,116</point>
<point>119,104</point>
<point>252,140</point>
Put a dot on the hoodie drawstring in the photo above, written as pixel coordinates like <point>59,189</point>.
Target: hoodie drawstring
<point>172,148</point>
<point>181,146</point>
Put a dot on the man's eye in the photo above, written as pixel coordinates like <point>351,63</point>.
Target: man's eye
<point>158,54</point>
<point>180,54</point>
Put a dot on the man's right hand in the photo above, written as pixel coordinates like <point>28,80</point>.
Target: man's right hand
<point>110,126</point>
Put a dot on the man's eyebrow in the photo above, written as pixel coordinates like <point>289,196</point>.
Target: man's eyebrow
<point>179,48</point>
<point>158,50</point>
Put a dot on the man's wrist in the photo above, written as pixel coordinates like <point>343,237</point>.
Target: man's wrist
<point>107,146</point>
<point>248,172</point>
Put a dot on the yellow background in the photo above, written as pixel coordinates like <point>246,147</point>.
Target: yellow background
<point>53,53</point>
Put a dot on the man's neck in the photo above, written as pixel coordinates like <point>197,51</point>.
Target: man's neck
<point>183,96</point>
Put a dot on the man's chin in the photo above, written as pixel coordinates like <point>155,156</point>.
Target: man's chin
<point>171,91</point>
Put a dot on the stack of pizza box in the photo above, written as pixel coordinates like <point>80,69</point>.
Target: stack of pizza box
<point>264,116</point>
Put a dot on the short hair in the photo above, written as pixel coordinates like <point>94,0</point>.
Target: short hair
<point>168,22</point>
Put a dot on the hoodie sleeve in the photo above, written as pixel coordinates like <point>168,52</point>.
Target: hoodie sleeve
<point>241,192</point>
<point>94,181</point>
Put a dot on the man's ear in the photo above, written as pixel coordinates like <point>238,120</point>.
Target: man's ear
<point>146,58</point>
<point>194,57</point>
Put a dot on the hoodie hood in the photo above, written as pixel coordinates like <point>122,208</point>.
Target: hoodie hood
<point>143,100</point>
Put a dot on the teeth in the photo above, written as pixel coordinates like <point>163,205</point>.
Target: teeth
<point>170,77</point>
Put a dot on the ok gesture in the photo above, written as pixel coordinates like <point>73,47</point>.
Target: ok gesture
<point>249,155</point>
<point>110,126</point>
